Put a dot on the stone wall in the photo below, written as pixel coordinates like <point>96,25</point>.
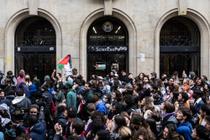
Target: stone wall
<point>146,17</point>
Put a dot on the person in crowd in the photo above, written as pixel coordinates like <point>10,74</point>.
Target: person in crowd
<point>153,79</point>
<point>114,107</point>
<point>61,115</point>
<point>169,133</point>
<point>100,104</point>
<point>21,77</point>
<point>186,85</point>
<point>74,73</point>
<point>198,102</point>
<point>184,126</point>
<point>175,76</point>
<point>123,77</point>
<point>200,133</point>
<point>71,97</point>
<point>91,109</point>
<point>169,114</point>
<point>77,129</point>
<point>103,135</point>
<point>32,88</point>
<point>146,82</point>
<point>141,134</point>
<point>20,105</point>
<point>3,97</point>
<point>98,123</point>
<point>72,117</point>
<point>204,112</point>
<point>9,77</point>
<point>125,133</point>
<point>60,95</point>
<point>140,77</point>
<point>37,123</point>
<point>107,101</point>
<point>118,123</point>
<point>183,100</point>
<point>139,123</point>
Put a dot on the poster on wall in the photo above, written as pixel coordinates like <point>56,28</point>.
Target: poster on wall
<point>142,57</point>
<point>1,64</point>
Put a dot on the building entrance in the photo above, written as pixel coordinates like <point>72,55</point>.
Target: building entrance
<point>35,47</point>
<point>179,46</point>
<point>107,47</point>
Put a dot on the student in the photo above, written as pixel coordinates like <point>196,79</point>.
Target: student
<point>184,127</point>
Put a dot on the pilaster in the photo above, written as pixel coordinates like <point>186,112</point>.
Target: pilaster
<point>33,7</point>
<point>108,7</point>
<point>182,7</point>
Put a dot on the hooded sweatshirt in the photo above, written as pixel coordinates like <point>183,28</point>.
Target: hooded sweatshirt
<point>185,129</point>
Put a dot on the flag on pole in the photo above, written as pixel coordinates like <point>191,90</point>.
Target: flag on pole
<point>66,64</point>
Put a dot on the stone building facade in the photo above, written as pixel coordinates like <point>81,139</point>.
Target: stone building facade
<point>143,22</point>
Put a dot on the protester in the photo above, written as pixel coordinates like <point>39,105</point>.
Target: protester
<point>119,106</point>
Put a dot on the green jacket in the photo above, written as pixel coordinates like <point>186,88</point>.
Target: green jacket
<point>71,99</point>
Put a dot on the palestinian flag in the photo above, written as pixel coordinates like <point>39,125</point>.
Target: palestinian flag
<point>66,64</point>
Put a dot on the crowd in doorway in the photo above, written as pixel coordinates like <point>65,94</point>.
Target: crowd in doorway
<point>116,107</point>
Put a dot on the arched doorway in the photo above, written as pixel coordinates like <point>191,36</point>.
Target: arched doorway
<point>179,46</point>
<point>35,47</point>
<point>107,46</point>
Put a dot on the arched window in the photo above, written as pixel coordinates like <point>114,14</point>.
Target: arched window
<point>107,46</point>
<point>179,46</point>
<point>35,47</point>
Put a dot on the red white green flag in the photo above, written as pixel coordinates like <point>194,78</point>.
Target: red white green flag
<point>66,64</point>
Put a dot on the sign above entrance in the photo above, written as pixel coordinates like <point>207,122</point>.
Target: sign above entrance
<point>35,49</point>
<point>107,49</point>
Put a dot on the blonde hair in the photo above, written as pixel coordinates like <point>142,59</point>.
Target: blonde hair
<point>125,133</point>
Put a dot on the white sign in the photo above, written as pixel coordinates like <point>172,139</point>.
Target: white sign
<point>1,64</point>
<point>142,57</point>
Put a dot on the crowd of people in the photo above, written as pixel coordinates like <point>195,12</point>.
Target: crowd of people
<point>118,106</point>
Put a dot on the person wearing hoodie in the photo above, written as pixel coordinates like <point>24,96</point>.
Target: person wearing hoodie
<point>5,117</point>
<point>184,127</point>
<point>20,104</point>
<point>71,97</point>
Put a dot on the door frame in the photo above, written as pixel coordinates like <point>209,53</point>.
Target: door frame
<point>10,29</point>
<point>203,26</point>
<point>132,45</point>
